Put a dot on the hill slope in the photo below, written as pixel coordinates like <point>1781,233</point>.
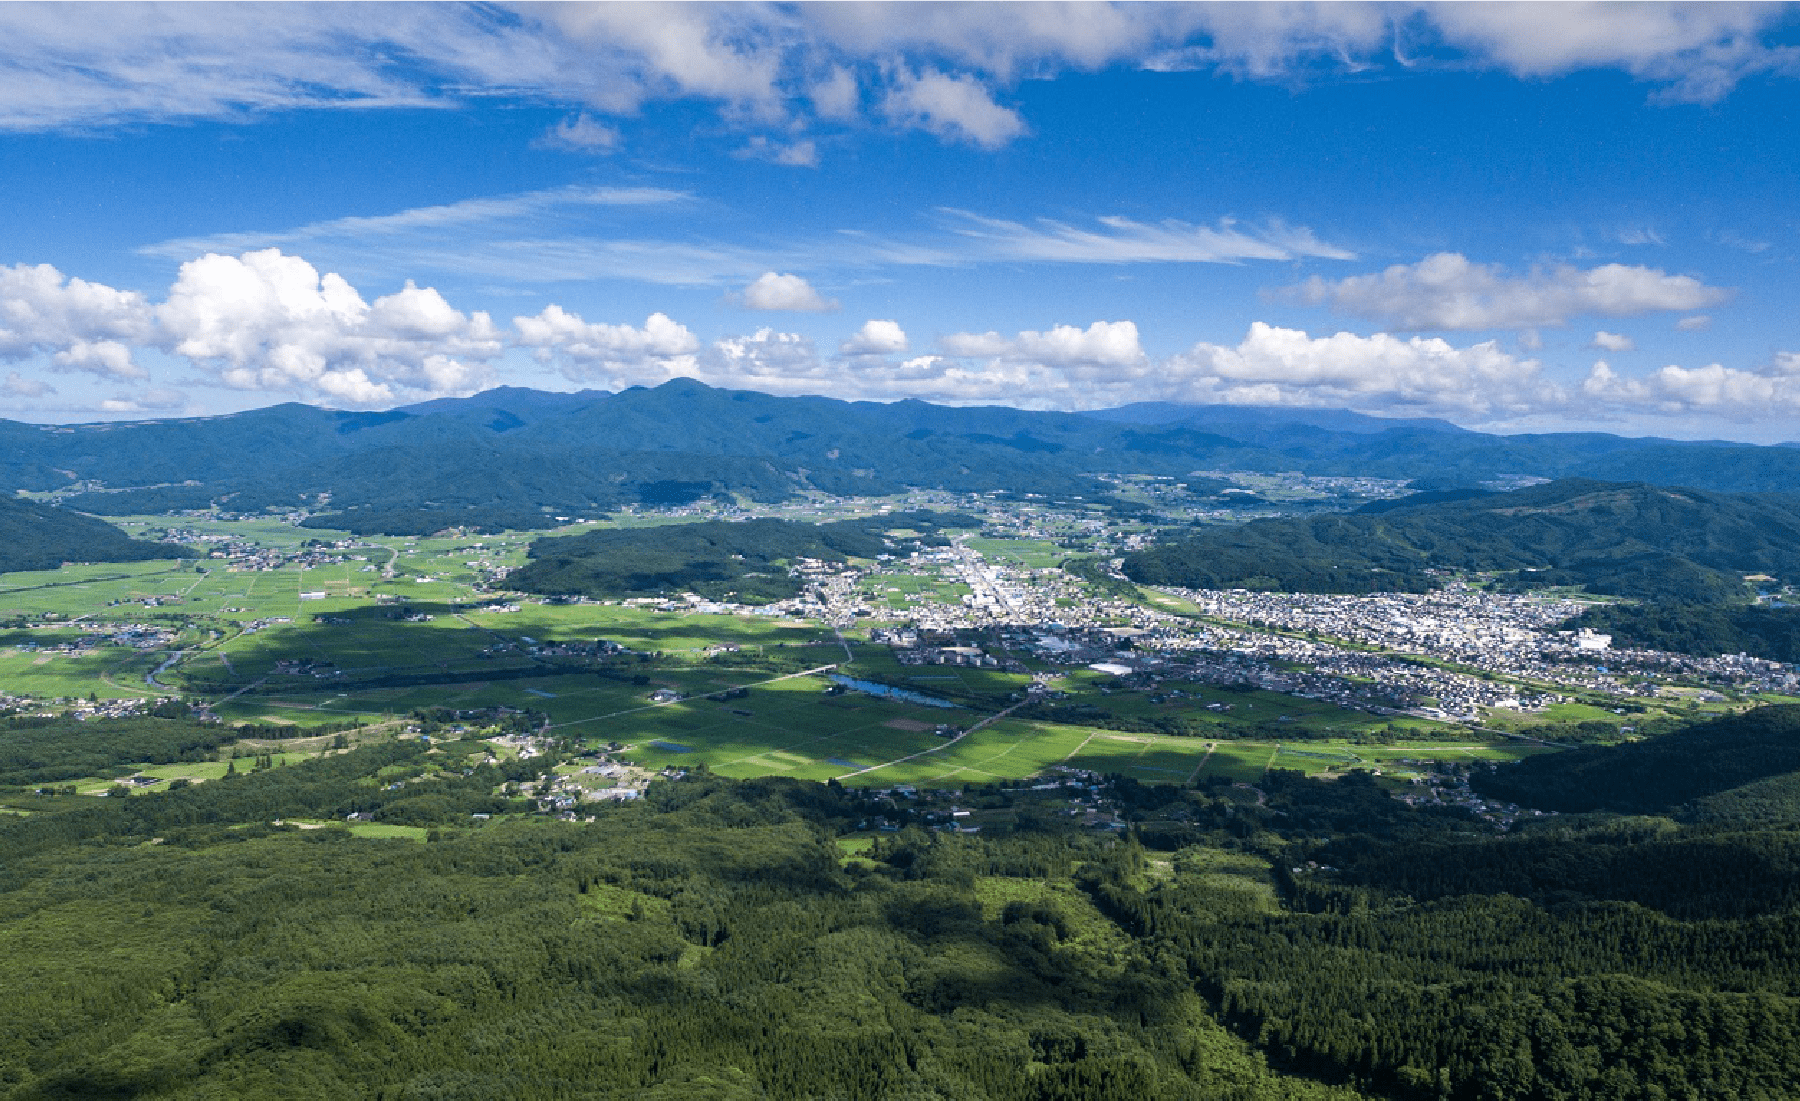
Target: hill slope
<point>42,537</point>
<point>1627,539</point>
<point>746,562</point>
<point>1659,774</point>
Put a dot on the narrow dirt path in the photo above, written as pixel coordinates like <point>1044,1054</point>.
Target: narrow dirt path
<point>1201,767</point>
<point>942,746</point>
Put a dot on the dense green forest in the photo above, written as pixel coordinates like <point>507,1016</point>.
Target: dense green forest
<point>744,561</point>
<point>43,537</point>
<point>714,941</point>
<point>144,501</point>
<point>41,750</point>
<point>1621,539</point>
<point>1656,774</point>
<point>707,944</point>
<point>1704,629</point>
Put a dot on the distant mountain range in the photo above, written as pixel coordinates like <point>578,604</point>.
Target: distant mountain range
<point>1225,418</point>
<point>510,454</point>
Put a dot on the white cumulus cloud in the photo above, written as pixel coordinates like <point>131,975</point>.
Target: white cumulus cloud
<point>581,134</point>
<point>1112,344</point>
<point>954,107</point>
<point>18,386</point>
<point>150,401</point>
<point>1448,291</point>
<point>780,291</point>
<point>1699,51</point>
<point>1612,342</point>
<point>876,338</point>
<point>1715,388</point>
<point>107,358</point>
<point>80,324</point>
<point>269,321</point>
<point>260,321</point>
<point>620,355</point>
<point>773,362</point>
<point>1278,366</point>
<point>1063,367</point>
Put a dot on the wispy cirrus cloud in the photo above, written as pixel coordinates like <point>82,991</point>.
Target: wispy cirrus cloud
<point>497,213</point>
<point>576,258</point>
<point>1119,240</point>
<point>558,235</point>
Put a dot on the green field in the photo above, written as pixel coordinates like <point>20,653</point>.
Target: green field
<point>404,624</point>
<point>1033,554</point>
<point>788,728</point>
<point>107,673</point>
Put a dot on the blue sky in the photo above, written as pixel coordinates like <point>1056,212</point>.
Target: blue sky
<point>1517,216</point>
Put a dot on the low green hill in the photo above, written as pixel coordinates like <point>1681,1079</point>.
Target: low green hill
<point>1658,774</point>
<point>42,537</point>
<point>746,562</point>
<point>1704,629</point>
<point>1626,539</point>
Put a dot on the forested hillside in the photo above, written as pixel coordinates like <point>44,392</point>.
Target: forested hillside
<point>1685,627</point>
<point>746,562</point>
<point>714,941</point>
<point>709,944</point>
<point>47,751</point>
<point>1658,774</point>
<point>1626,539</point>
<point>43,537</point>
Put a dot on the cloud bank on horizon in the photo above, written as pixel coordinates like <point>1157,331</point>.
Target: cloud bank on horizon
<point>1050,205</point>
<point>271,322</point>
